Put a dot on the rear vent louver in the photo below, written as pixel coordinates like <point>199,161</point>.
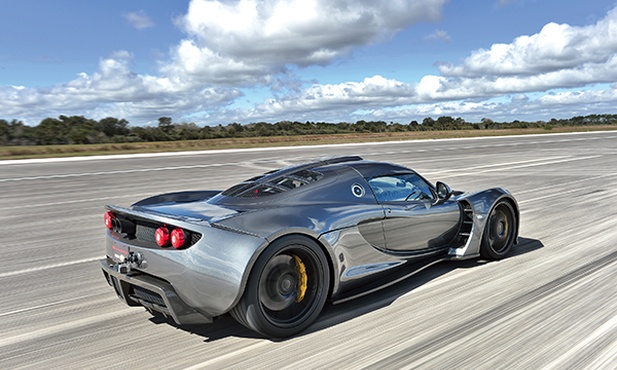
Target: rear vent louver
<point>262,186</point>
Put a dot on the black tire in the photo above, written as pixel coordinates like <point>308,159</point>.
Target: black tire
<point>499,232</point>
<point>273,303</point>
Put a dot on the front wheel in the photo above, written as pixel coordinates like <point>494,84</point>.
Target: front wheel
<point>287,288</point>
<point>499,232</point>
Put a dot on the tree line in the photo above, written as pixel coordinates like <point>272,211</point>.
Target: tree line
<point>81,130</point>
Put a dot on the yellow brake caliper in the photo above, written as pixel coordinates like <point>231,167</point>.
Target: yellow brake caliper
<point>302,278</point>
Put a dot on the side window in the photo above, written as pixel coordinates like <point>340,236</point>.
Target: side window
<point>399,188</point>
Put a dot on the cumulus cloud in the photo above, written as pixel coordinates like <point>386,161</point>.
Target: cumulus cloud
<point>375,90</point>
<point>139,20</point>
<point>505,108</point>
<point>230,46</point>
<point>559,57</point>
<point>114,90</point>
<point>556,47</point>
<point>248,41</point>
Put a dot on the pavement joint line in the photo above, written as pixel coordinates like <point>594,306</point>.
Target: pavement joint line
<point>135,170</point>
<point>75,201</point>
<point>47,267</point>
<point>58,328</point>
<point>499,165</point>
<point>543,163</point>
<point>552,195</point>
<point>56,303</point>
<point>586,179</point>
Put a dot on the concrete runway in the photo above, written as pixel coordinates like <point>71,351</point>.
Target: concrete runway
<point>551,304</point>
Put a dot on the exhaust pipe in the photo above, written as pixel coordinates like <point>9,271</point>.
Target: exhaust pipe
<point>123,226</point>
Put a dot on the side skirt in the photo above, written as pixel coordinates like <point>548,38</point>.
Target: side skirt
<point>396,276</point>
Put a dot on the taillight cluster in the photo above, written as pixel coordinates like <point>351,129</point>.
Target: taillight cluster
<point>109,219</point>
<point>177,237</point>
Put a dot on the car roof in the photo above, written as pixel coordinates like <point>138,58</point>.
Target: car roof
<point>317,174</point>
<point>369,169</point>
<point>365,168</point>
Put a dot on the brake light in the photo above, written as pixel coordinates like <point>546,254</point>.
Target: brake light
<point>109,219</point>
<point>177,238</point>
<point>161,236</point>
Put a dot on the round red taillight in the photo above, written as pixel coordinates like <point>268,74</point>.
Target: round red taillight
<point>177,238</point>
<point>109,219</point>
<point>161,236</point>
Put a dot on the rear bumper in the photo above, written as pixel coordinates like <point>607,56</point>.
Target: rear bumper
<point>151,293</point>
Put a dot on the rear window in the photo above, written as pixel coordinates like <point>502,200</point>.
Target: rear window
<point>261,186</point>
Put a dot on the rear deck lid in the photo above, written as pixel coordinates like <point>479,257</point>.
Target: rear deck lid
<point>194,210</point>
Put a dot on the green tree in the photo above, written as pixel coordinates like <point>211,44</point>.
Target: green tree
<point>20,134</point>
<point>428,123</point>
<point>165,124</point>
<point>186,131</point>
<point>112,126</point>
<point>79,129</point>
<point>4,132</point>
<point>445,123</point>
<point>50,131</point>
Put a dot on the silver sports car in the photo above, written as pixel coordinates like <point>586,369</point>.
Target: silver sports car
<point>273,249</point>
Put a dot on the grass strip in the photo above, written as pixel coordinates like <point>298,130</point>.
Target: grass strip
<point>47,151</point>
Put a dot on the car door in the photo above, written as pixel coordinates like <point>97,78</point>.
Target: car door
<point>413,221</point>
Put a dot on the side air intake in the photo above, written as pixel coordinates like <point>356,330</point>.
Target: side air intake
<point>467,224</point>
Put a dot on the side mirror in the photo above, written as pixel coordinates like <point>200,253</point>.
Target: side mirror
<point>443,192</point>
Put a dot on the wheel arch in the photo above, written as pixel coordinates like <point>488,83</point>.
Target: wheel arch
<point>301,233</point>
<point>482,204</point>
<point>264,303</point>
<point>517,215</point>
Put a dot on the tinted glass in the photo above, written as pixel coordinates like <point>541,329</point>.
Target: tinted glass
<point>399,188</point>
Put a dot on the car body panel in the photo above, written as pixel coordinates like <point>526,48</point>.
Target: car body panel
<point>369,244</point>
<point>419,225</point>
<point>208,276</point>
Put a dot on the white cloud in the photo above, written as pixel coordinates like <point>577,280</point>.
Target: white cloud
<point>556,47</point>
<point>140,20</point>
<point>439,35</point>
<point>558,57</point>
<point>113,90</point>
<point>248,41</point>
<point>563,104</point>
<point>204,66</point>
<point>229,46</point>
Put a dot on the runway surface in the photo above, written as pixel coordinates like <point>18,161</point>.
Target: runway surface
<point>551,304</point>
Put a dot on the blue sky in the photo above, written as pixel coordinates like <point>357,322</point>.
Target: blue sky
<point>212,62</point>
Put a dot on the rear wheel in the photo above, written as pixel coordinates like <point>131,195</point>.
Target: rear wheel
<point>287,288</point>
<point>499,232</point>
